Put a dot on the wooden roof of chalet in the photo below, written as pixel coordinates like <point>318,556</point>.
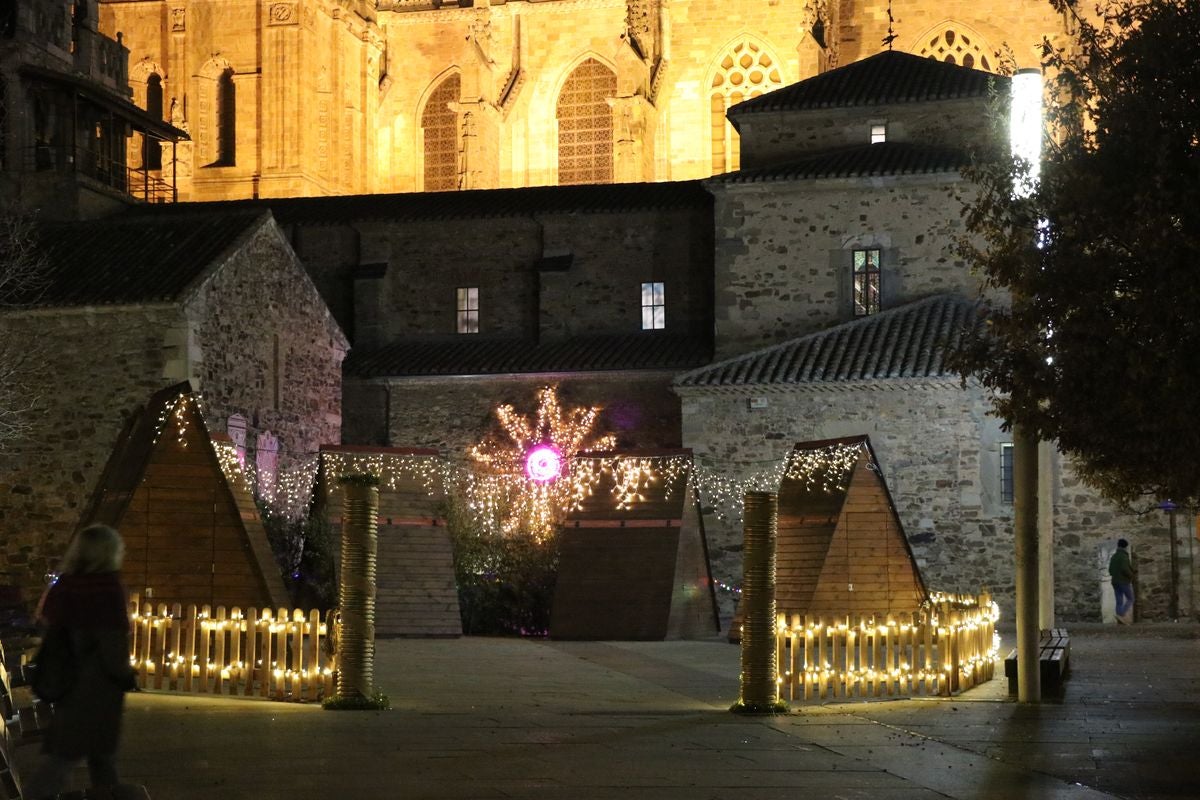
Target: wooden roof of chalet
<point>132,455</point>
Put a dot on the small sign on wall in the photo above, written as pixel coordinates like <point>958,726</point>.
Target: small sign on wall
<point>757,403</point>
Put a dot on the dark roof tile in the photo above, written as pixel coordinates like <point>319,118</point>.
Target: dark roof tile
<point>912,341</point>
<point>884,78</point>
<point>133,259</point>
<point>478,203</point>
<point>859,161</point>
<point>475,355</point>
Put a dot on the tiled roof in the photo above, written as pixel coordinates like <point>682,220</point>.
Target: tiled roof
<point>885,78</point>
<point>912,341</point>
<point>476,355</point>
<point>859,161</point>
<point>133,258</point>
<point>479,203</point>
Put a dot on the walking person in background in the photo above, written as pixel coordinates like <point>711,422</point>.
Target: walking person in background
<point>89,601</point>
<point>1120,567</point>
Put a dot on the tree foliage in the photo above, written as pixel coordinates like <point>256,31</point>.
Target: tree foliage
<point>1099,348</point>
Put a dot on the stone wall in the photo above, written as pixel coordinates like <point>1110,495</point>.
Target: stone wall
<point>453,414</point>
<point>103,366</point>
<point>422,263</point>
<point>771,138</point>
<point>939,453</point>
<point>784,250</point>
<point>264,345</point>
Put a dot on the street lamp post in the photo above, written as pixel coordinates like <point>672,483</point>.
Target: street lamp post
<point>1171,508</point>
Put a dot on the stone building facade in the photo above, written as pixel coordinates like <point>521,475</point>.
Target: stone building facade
<point>295,97</point>
<point>940,451</point>
<point>141,303</point>
<point>556,280</point>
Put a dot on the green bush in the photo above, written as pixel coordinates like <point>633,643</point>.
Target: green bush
<point>505,583</point>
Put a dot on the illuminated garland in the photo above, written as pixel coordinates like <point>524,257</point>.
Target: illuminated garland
<point>503,495</point>
<point>493,484</point>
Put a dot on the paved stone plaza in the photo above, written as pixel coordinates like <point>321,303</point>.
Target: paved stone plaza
<point>506,718</point>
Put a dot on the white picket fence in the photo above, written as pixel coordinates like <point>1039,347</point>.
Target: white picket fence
<point>945,647</point>
<point>281,655</point>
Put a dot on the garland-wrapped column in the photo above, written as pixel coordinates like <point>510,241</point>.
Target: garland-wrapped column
<point>760,689</point>
<point>356,587</point>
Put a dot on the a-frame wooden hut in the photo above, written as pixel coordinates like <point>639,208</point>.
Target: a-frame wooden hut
<point>841,548</point>
<point>192,535</point>
<point>636,570</point>
<point>414,575</point>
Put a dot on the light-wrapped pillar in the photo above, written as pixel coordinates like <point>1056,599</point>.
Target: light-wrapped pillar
<point>760,688</point>
<point>356,587</point>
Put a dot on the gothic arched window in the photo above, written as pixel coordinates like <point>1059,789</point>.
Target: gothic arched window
<point>439,125</point>
<point>952,44</point>
<point>151,147</point>
<point>585,125</point>
<point>746,71</point>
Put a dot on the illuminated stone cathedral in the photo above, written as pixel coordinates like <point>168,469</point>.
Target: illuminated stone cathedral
<point>289,98</point>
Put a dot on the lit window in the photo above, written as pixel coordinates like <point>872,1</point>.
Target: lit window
<point>654,310</point>
<point>468,310</point>
<point>1006,473</point>
<point>866,282</point>
<point>878,132</point>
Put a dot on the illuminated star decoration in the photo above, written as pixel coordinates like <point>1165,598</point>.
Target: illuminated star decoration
<point>519,476</point>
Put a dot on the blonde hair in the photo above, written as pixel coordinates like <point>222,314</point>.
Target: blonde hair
<point>97,548</point>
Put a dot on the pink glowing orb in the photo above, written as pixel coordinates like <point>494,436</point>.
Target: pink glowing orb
<point>543,463</point>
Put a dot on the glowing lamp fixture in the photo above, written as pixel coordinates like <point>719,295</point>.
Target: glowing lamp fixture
<point>543,463</point>
<point>1025,125</point>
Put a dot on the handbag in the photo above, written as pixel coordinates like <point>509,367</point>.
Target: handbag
<point>54,669</point>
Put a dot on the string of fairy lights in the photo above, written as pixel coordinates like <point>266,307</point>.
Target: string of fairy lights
<point>493,479</point>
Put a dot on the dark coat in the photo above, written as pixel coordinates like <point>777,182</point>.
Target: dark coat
<point>88,720</point>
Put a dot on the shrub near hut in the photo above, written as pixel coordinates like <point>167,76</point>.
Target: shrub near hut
<point>505,582</point>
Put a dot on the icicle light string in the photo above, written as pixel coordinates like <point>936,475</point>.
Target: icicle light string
<point>493,483</point>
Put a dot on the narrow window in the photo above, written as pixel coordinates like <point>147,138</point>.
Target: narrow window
<point>151,147</point>
<point>226,120</point>
<point>236,428</point>
<point>276,374</point>
<point>468,310</point>
<point>878,132</point>
<point>654,310</point>
<point>266,465</point>
<point>1006,473</point>
<point>866,282</point>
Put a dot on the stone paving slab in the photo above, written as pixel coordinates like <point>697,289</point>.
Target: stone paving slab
<point>505,718</point>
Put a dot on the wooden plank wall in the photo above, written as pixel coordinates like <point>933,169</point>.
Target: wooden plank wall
<point>693,604</point>
<point>185,541</point>
<point>867,566</point>
<point>619,568</point>
<point>415,590</point>
<point>614,583</point>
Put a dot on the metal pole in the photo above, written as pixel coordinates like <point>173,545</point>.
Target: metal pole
<point>1025,540</point>
<point>1174,567</point>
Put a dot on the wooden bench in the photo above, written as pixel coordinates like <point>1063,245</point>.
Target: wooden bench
<point>1054,661</point>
